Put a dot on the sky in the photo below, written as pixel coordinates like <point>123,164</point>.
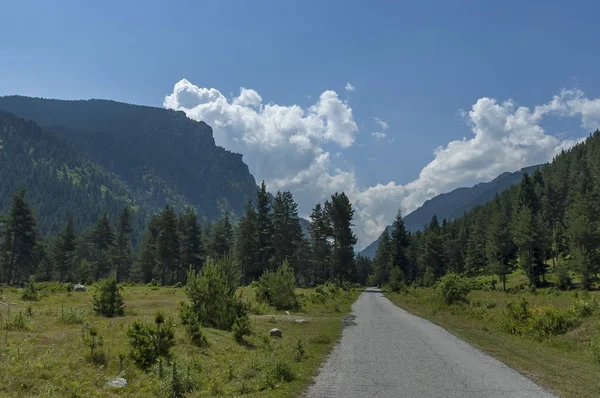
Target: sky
<point>390,102</point>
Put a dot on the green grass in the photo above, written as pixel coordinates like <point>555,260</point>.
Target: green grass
<point>565,363</point>
<point>47,358</point>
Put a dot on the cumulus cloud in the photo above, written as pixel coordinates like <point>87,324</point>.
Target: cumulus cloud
<point>286,146</point>
<point>378,135</point>
<point>350,87</point>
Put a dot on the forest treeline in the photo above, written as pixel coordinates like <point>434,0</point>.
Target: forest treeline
<point>268,233</point>
<point>550,221</point>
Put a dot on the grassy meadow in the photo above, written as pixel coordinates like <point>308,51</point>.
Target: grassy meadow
<point>42,350</point>
<point>559,347</point>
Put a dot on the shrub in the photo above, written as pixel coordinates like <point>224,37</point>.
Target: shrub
<point>539,323</point>
<point>552,321</point>
<point>30,292</point>
<point>71,316</point>
<point>148,343</point>
<point>108,300</point>
<point>94,343</point>
<point>283,372</point>
<point>179,385</point>
<point>595,349</point>
<point>192,327</point>
<point>241,327</point>
<point>15,323</point>
<point>321,339</point>
<point>299,352</point>
<point>278,288</point>
<point>212,295</point>
<point>396,280</point>
<point>453,288</point>
<point>582,308</point>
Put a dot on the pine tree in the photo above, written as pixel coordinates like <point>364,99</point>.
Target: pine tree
<point>192,247</point>
<point>247,250</point>
<point>383,261</point>
<point>102,238</point>
<point>264,226</point>
<point>287,231</point>
<point>583,218</point>
<point>147,255</point>
<point>122,248</point>
<point>400,244</point>
<point>321,248</point>
<point>64,251</point>
<point>431,255</point>
<point>498,242</point>
<point>22,239</point>
<point>168,247</point>
<point>340,213</point>
<point>524,235</point>
<point>222,239</point>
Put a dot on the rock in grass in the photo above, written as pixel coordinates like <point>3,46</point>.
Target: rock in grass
<point>275,332</point>
<point>79,288</point>
<point>118,382</point>
<point>300,321</point>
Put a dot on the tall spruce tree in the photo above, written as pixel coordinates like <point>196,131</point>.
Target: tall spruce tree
<point>320,230</point>
<point>399,245</point>
<point>64,249</point>
<point>122,247</point>
<point>264,226</point>
<point>102,238</point>
<point>247,250</point>
<point>498,243</point>
<point>383,261</point>
<point>222,239</point>
<point>192,247</point>
<point>168,248</point>
<point>583,218</point>
<point>287,231</point>
<point>21,239</point>
<point>340,213</point>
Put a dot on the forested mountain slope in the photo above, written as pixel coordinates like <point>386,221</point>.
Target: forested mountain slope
<point>58,181</point>
<point>163,156</point>
<point>454,204</point>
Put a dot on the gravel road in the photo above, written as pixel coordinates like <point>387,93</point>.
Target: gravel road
<point>388,352</point>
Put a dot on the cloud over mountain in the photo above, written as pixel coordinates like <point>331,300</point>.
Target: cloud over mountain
<point>286,146</point>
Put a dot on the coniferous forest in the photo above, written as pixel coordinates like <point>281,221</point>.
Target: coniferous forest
<point>550,221</point>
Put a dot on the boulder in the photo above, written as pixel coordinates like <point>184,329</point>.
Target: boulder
<point>300,321</point>
<point>275,332</point>
<point>79,288</point>
<point>118,382</point>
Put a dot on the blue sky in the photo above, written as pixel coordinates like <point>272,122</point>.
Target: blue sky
<point>413,64</point>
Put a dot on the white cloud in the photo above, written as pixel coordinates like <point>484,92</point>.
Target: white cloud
<point>378,135</point>
<point>285,145</point>
<point>350,87</point>
<point>381,123</point>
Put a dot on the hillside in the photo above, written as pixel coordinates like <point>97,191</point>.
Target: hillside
<point>455,204</point>
<point>161,155</point>
<point>58,181</point>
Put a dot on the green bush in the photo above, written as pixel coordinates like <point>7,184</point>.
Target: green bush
<point>279,288</point>
<point>282,371</point>
<point>192,326</point>
<point>108,300</point>
<point>582,308</point>
<point>30,292</point>
<point>540,323</point>
<point>212,295</point>
<point>396,280</point>
<point>94,342</point>
<point>595,349</point>
<point>148,343</point>
<point>70,316</point>
<point>453,288</point>
<point>241,327</point>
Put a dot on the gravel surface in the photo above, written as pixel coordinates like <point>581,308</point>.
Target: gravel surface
<point>388,352</point>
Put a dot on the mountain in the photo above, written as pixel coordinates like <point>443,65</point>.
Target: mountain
<point>455,204</point>
<point>92,156</point>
